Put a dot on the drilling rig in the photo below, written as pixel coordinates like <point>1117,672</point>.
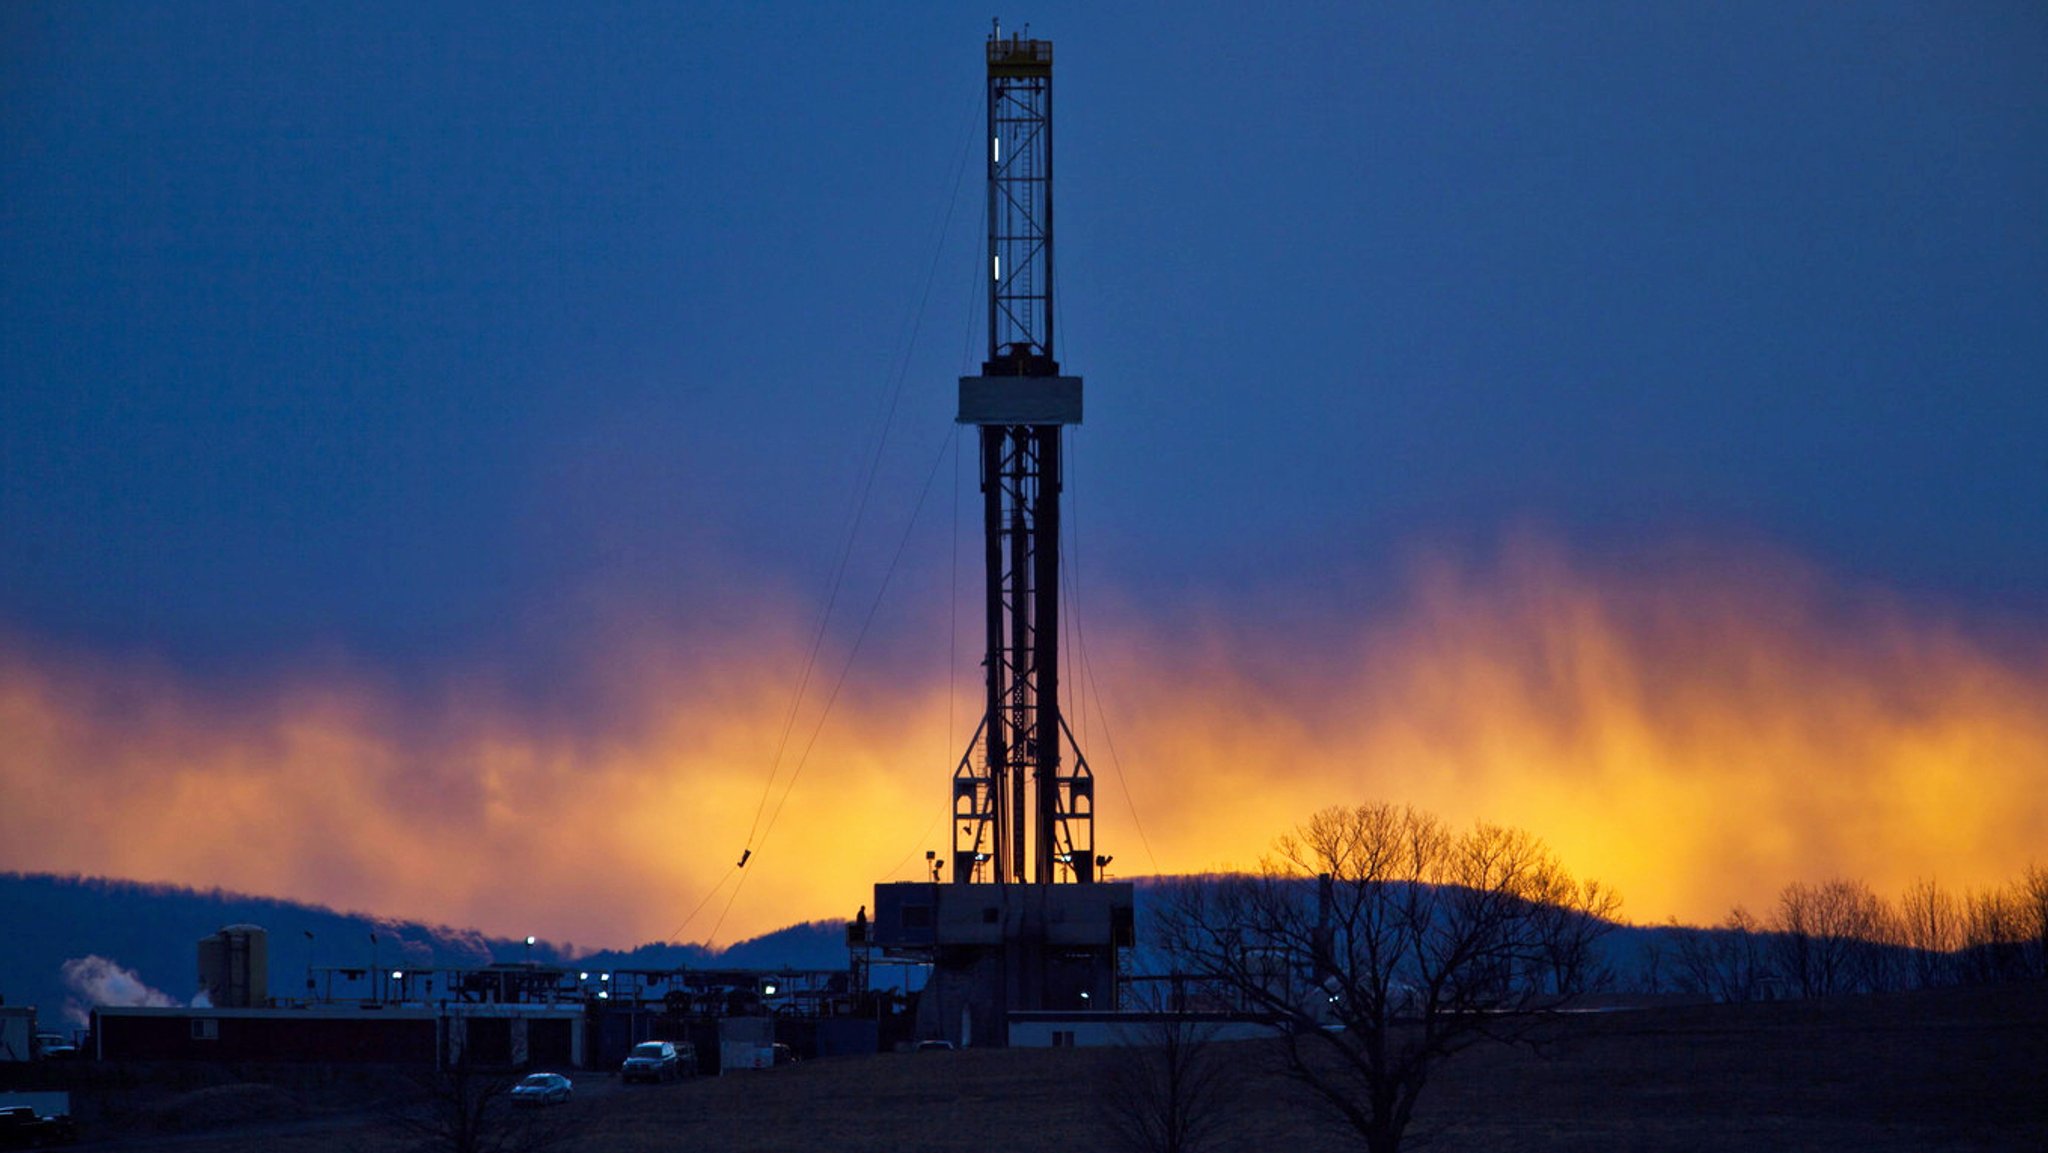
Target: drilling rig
<point>1023,924</point>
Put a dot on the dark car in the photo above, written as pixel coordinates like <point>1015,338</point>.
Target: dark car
<point>652,1061</point>
<point>542,1089</point>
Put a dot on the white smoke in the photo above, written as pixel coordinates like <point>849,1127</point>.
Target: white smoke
<point>95,981</point>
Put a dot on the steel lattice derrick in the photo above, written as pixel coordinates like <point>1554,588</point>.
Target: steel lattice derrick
<point>1020,198</point>
<point>1019,814</point>
<point>1023,806</point>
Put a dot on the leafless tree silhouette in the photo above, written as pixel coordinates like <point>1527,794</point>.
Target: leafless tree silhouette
<point>1932,928</point>
<point>1830,937</point>
<point>1169,1086</point>
<point>2032,889</point>
<point>1727,963</point>
<point>1381,944</point>
<point>464,1109</point>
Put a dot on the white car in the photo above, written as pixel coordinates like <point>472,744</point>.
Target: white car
<point>542,1089</point>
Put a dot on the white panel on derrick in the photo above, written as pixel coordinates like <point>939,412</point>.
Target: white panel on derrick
<point>1020,400</point>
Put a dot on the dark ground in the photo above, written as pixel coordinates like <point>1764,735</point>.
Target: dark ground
<point>1947,1070</point>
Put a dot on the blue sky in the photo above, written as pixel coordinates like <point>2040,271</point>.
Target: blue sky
<point>426,428</point>
<point>405,334</point>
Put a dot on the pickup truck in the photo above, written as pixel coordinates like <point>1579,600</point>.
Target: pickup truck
<point>22,1128</point>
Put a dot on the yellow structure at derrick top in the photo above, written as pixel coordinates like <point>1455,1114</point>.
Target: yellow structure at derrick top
<point>1016,56</point>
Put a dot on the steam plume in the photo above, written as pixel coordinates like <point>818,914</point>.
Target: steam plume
<point>95,981</point>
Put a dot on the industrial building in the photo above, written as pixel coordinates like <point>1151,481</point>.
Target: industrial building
<point>509,1036</point>
<point>506,1015</point>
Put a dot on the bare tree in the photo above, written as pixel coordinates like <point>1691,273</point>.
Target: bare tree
<point>1726,962</point>
<point>1831,937</point>
<point>1382,944</point>
<point>2031,892</point>
<point>1169,1087</point>
<point>1995,935</point>
<point>464,1109</point>
<point>1654,960</point>
<point>1931,926</point>
<point>1564,911</point>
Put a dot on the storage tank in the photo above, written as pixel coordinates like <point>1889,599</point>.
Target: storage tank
<point>234,967</point>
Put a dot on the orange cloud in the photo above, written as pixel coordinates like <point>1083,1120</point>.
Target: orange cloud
<point>1696,732</point>
<point>468,810</point>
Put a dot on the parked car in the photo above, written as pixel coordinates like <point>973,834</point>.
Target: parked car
<point>55,1047</point>
<point>542,1089</point>
<point>652,1061</point>
<point>934,1046</point>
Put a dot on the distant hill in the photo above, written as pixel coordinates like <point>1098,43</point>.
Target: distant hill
<point>1625,959</point>
<point>144,938</point>
<point>810,945</point>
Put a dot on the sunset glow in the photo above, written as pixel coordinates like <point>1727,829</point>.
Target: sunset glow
<point>1696,732</point>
